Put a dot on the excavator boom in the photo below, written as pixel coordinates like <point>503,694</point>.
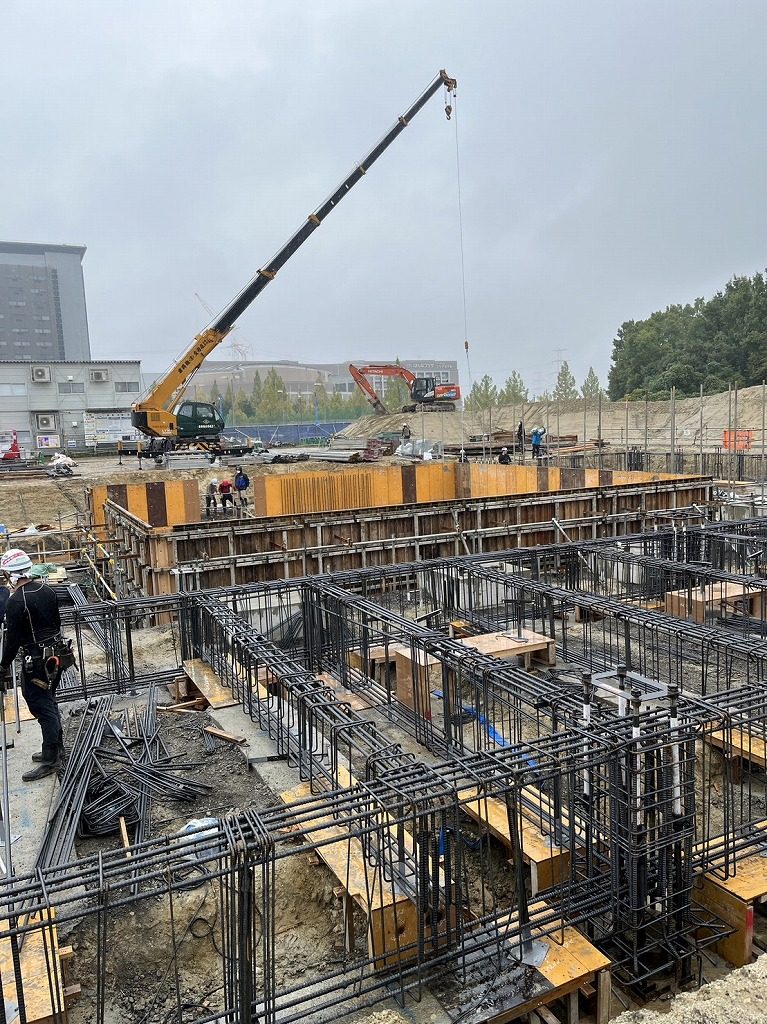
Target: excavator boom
<point>155,414</point>
<point>424,391</point>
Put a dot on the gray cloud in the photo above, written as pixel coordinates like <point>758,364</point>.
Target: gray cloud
<point>612,162</point>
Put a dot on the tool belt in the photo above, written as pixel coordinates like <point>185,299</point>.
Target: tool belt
<point>44,670</point>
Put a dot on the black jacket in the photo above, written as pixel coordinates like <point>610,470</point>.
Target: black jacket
<point>32,620</point>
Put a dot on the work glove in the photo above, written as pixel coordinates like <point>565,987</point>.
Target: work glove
<point>6,679</point>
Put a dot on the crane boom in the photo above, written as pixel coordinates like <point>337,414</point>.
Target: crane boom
<point>155,413</point>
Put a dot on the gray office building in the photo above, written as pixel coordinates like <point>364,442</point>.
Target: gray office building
<point>42,302</point>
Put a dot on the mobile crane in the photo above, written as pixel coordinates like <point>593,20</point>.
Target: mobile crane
<point>425,393</point>
<point>163,412</point>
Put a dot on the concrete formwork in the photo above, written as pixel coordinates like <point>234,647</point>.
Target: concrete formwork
<point>224,552</point>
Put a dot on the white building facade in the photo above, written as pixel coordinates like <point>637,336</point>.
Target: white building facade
<point>64,404</point>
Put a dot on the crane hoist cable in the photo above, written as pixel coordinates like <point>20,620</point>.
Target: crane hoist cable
<point>460,233</point>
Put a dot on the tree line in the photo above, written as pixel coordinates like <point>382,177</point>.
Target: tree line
<point>711,343</point>
<point>268,400</point>
<point>485,394</point>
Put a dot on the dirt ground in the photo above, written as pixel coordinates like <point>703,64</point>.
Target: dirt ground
<point>58,503</point>
<point>140,969</point>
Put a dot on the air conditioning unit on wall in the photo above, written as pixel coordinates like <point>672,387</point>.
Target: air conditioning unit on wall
<point>46,421</point>
<point>99,376</point>
<point>41,374</point>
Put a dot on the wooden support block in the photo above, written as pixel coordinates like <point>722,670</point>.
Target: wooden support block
<point>227,737</point>
<point>180,687</point>
<point>124,837</point>
<point>717,897</point>
<point>209,684</point>
<point>547,1016</point>
<point>349,940</point>
<point>573,1008</point>
<point>604,996</point>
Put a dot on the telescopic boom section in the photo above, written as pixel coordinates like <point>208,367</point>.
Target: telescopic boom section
<point>154,414</point>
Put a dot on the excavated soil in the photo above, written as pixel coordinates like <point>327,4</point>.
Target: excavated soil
<point>738,998</point>
<point>568,418</point>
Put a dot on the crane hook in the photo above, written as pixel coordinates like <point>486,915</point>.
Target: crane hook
<point>448,111</point>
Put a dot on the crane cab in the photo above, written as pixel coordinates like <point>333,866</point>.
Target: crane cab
<point>197,419</point>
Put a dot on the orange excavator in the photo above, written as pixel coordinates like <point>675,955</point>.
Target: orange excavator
<point>425,393</point>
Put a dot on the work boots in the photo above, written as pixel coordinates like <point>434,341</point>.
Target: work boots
<point>49,763</point>
<point>39,757</point>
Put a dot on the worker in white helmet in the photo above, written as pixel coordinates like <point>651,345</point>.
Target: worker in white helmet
<point>211,496</point>
<point>33,627</point>
<point>504,458</point>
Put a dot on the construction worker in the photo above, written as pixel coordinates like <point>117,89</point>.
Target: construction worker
<point>33,626</point>
<point>504,458</point>
<point>521,436</point>
<point>241,484</point>
<point>406,433</point>
<point>535,439</point>
<point>211,496</point>
<point>225,489</point>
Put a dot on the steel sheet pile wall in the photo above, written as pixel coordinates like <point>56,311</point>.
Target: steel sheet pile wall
<point>235,551</point>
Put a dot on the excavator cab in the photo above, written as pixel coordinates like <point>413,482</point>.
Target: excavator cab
<point>422,389</point>
<point>198,419</point>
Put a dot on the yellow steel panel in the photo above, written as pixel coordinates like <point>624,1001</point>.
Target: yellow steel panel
<point>592,477</point>
<point>98,497</point>
<point>137,501</point>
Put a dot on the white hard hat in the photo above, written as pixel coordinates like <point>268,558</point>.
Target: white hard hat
<point>214,480</point>
<point>16,562</point>
<point>504,449</point>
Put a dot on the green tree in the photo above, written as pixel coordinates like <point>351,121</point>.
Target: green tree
<point>483,395</point>
<point>565,389</point>
<point>256,390</point>
<point>514,391</point>
<point>591,388</point>
<point>706,342</point>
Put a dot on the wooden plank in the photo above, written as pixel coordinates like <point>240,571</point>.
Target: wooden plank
<point>355,701</point>
<point>392,917</point>
<point>741,745</point>
<point>507,644</point>
<point>209,684</point>
<point>567,966</point>
<point>227,737</point>
<point>124,837</point>
<point>549,865</point>
<point>35,981</point>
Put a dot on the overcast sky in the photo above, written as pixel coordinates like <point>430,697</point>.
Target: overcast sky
<point>612,157</point>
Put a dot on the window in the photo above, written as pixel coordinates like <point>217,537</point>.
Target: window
<point>126,385</point>
<point>7,390</point>
<point>71,387</point>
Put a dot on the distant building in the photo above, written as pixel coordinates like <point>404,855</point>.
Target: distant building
<point>42,302</point>
<point>300,378</point>
<point>68,404</point>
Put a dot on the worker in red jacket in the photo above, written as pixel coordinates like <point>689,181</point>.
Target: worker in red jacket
<point>226,490</point>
